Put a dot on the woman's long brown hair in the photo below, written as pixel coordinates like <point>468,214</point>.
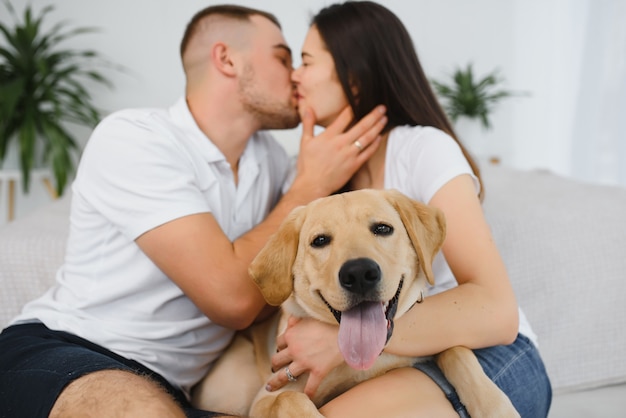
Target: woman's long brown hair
<point>377,63</point>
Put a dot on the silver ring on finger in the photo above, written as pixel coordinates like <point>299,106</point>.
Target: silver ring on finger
<point>358,145</point>
<point>290,376</point>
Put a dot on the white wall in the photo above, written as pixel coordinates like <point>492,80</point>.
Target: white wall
<point>532,42</point>
<point>144,35</point>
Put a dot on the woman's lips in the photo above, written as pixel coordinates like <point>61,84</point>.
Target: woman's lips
<point>296,98</point>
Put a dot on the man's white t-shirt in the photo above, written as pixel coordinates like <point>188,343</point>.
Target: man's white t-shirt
<point>419,161</point>
<point>140,169</point>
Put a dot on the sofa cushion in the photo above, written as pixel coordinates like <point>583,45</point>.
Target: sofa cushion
<point>564,244</point>
<point>31,250</point>
<point>605,402</point>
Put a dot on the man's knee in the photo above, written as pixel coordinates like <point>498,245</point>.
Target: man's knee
<point>115,393</point>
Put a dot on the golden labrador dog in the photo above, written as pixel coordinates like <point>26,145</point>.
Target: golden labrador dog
<point>359,260</point>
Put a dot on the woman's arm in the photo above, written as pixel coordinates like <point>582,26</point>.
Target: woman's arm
<point>482,310</point>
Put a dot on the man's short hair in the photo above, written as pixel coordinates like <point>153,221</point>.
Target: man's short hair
<point>230,11</point>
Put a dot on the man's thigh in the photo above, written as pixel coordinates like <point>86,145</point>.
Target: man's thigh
<point>115,393</point>
<point>37,364</point>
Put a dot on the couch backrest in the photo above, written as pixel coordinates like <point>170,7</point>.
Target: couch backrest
<point>564,243</point>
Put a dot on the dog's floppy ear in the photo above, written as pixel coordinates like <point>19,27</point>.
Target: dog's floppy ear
<point>426,226</point>
<point>271,269</point>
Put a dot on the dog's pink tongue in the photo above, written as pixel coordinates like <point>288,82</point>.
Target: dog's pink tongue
<point>362,334</point>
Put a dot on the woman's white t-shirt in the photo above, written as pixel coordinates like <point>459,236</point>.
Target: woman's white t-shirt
<point>419,161</point>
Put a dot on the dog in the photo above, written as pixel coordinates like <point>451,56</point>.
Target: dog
<point>360,254</point>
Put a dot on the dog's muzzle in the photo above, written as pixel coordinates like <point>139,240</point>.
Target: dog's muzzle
<point>366,326</point>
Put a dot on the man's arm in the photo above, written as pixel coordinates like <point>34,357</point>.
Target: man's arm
<point>213,271</point>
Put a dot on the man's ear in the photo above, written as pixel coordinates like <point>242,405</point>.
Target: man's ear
<point>222,58</point>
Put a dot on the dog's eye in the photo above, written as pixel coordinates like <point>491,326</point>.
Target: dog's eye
<point>381,229</point>
<point>320,241</point>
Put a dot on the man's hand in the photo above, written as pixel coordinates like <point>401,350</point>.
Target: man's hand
<point>327,161</point>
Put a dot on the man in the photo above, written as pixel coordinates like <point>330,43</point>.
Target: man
<point>169,208</point>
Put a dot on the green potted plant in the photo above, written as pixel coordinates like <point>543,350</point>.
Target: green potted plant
<point>464,96</point>
<point>41,90</point>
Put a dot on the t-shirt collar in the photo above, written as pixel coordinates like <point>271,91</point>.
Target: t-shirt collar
<point>182,117</point>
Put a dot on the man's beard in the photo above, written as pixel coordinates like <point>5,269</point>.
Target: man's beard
<point>271,114</point>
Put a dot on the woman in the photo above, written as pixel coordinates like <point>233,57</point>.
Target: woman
<point>358,54</point>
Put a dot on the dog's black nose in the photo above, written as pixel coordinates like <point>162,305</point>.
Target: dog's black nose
<point>359,275</point>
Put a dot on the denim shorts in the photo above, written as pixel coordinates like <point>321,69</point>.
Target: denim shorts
<point>517,369</point>
<point>36,364</point>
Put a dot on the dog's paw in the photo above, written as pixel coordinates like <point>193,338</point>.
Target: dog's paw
<point>505,410</point>
<point>288,404</point>
<point>497,407</point>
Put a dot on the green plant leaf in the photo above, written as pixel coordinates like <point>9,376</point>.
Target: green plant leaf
<point>464,96</point>
<point>27,137</point>
<point>42,86</point>
<point>58,153</point>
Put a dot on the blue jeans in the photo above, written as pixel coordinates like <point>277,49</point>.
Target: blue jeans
<point>517,369</point>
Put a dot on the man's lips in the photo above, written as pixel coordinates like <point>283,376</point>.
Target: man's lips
<point>295,99</point>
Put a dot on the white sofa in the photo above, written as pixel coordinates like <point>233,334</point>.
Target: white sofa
<point>564,243</point>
